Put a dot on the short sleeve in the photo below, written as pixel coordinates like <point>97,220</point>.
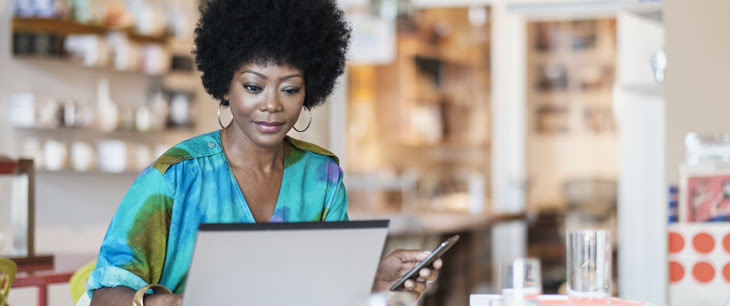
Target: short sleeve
<point>133,251</point>
<point>336,208</point>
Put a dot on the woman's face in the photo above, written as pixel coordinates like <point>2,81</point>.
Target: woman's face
<point>265,102</point>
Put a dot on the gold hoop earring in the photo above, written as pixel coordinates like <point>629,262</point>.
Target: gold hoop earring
<point>308,124</point>
<point>219,118</point>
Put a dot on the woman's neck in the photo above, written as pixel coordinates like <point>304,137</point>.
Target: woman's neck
<point>242,153</point>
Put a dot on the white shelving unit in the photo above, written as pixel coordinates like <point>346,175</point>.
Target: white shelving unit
<point>639,107</point>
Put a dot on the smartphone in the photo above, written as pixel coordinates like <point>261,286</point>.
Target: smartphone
<point>435,254</point>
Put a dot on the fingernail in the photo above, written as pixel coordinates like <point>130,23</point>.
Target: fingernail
<point>409,284</point>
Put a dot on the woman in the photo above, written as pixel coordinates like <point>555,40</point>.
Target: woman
<point>266,60</point>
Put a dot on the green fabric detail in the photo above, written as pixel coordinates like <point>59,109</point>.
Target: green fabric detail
<point>318,217</point>
<point>148,237</point>
<point>291,154</point>
<point>303,145</point>
<point>171,157</point>
<point>324,214</point>
<point>181,287</point>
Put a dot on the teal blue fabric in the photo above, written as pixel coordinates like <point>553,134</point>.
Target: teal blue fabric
<point>150,239</point>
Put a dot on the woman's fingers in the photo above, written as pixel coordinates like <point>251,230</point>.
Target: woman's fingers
<point>438,263</point>
<point>416,286</point>
<point>428,274</point>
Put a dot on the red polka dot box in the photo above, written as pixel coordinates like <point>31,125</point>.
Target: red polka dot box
<point>699,263</point>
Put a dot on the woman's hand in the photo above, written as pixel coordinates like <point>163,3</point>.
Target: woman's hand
<point>393,266</point>
<point>123,296</point>
<point>166,299</point>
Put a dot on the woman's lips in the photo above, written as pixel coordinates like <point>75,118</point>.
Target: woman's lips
<point>269,127</point>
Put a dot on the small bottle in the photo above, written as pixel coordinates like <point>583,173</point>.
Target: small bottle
<point>142,119</point>
<point>159,109</point>
<point>107,111</point>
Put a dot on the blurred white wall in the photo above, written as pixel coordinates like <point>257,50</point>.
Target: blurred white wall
<point>697,75</point>
<point>639,109</point>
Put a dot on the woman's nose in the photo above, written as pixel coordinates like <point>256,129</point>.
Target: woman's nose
<point>271,103</point>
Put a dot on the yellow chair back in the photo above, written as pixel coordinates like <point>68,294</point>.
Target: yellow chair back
<point>7,277</point>
<point>77,283</point>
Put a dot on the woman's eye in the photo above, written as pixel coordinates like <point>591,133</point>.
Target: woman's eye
<point>291,91</point>
<point>252,88</point>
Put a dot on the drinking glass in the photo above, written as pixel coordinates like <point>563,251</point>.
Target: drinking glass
<point>589,267</point>
<point>520,282</point>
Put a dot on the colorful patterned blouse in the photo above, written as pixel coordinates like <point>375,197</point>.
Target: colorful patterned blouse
<point>151,237</point>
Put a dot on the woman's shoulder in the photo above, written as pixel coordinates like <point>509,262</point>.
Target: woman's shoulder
<point>191,148</point>
<point>310,147</point>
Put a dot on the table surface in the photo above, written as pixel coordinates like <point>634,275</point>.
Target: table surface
<point>436,223</point>
<point>545,299</point>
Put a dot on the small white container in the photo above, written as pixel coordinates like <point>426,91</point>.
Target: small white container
<point>707,148</point>
<point>82,156</point>
<point>112,156</point>
<point>55,155</point>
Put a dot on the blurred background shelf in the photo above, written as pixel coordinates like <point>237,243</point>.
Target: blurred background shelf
<point>68,27</point>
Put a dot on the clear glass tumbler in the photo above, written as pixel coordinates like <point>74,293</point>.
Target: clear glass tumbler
<point>589,267</point>
<point>520,282</point>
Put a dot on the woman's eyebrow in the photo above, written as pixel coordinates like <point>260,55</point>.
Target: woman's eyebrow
<point>286,77</point>
<point>254,72</point>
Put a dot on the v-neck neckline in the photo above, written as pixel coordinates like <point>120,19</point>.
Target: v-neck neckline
<point>239,192</point>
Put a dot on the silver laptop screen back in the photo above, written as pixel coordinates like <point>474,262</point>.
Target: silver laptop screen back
<point>329,263</point>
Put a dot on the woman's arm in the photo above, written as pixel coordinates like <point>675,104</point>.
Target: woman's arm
<point>135,245</point>
<point>123,296</point>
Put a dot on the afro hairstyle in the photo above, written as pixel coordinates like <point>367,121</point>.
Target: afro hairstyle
<point>310,35</point>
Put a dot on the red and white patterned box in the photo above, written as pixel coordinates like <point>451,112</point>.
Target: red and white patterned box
<point>699,263</point>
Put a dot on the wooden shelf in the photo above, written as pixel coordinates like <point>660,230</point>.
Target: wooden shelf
<point>56,26</point>
<point>67,27</point>
<point>44,39</point>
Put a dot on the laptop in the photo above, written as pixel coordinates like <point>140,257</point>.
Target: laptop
<point>317,263</point>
